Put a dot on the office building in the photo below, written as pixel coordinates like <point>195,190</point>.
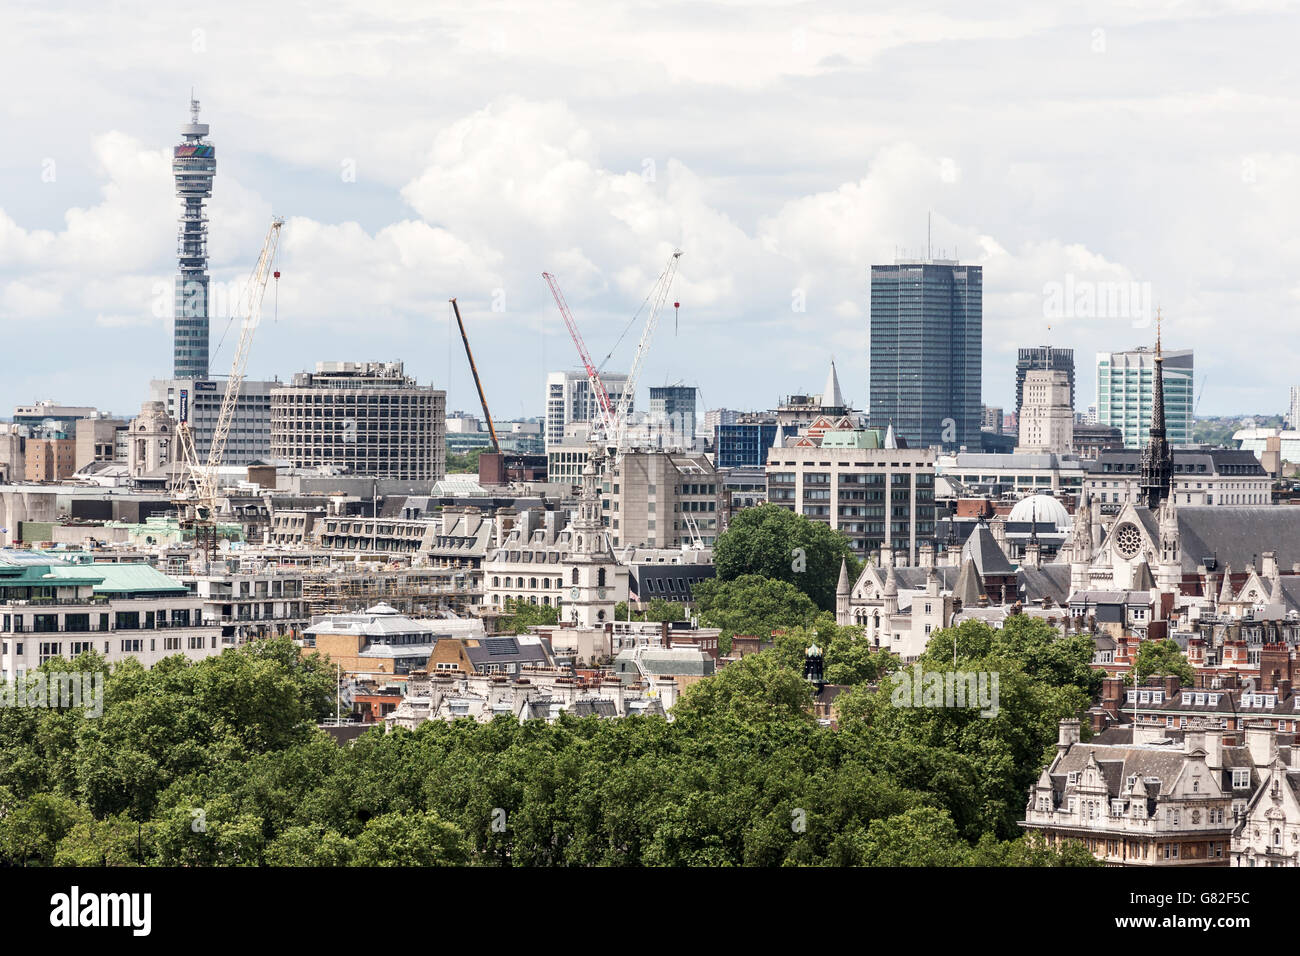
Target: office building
<point>926,351</point>
<point>744,442</point>
<point>991,419</point>
<point>879,498</point>
<point>569,399</point>
<point>1043,357</point>
<point>52,416</point>
<point>194,165</point>
<point>1046,415</point>
<point>56,608</point>
<point>101,439</point>
<point>50,459</point>
<point>1293,417</point>
<point>1018,474</point>
<point>368,417</point>
<point>1125,394</point>
<point>1090,441</point>
<point>1216,476</point>
<point>672,415</point>
<point>717,416</point>
<point>198,401</point>
<point>661,499</point>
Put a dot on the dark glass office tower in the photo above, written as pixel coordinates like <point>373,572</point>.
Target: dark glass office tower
<point>926,349</point>
<point>1042,357</point>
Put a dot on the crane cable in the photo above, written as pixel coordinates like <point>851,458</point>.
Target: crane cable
<point>632,321</point>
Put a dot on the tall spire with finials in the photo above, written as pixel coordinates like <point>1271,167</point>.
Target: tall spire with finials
<point>194,164</point>
<point>1157,458</point>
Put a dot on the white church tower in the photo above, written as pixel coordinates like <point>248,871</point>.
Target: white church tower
<point>595,582</point>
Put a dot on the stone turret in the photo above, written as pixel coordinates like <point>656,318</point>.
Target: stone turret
<point>842,615</point>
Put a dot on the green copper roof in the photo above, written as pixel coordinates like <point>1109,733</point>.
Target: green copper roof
<point>121,578</point>
<point>852,438</point>
<point>39,575</point>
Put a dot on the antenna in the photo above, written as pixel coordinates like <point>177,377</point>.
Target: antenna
<point>927,235</point>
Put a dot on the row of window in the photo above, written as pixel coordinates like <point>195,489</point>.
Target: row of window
<point>47,650</point>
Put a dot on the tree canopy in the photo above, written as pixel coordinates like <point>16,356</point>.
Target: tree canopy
<point>776,543</point>
<point>220,762</point>
<point>1163,659</point>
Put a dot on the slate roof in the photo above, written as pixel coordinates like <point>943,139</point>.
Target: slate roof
<point>984,550</point>
<point>506,650</point>
<point>967,588</point>
<point>913,579</point>
<point>1049,580</point>
<point>1234,535</point>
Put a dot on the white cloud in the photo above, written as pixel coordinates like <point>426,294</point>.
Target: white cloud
<point>784,146</point>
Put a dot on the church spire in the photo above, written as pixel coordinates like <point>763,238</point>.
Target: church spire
<point>1157,458</point>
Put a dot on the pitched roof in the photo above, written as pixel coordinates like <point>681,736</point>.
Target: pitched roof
<point>122,578</point>
<point>1231,534</point>
<point>986,553</point>
<point>1049,580</point>
<point>831,395</point>
<point>968,589</point>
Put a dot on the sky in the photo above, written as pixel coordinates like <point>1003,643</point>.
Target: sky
<point>1097,160</point>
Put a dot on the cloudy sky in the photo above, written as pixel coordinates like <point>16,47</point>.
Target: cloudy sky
<point>1096,160</point>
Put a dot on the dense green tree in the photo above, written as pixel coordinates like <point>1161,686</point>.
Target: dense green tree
<point>313,845</point>
<point>519,616</point>
<point>116,841</point>
<point>753,605</point>
<point>465,462</point>
<point>776,543</point>
<point>1163,659</point>
<point>219,762</point>
<point>1031,849</point>
<point>656,609</point>
<point>409,839</point>
<point>922,836</point>
<point>30,830</point>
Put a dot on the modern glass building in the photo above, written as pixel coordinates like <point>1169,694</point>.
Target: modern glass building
<point>926,351</point>
<point>1125,390</point>
<point>744,444</point>
<point>672,407</point>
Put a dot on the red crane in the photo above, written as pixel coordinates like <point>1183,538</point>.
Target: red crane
<point>606,417</point>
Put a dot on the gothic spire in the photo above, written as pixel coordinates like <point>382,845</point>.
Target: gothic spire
<point>1157,458</point>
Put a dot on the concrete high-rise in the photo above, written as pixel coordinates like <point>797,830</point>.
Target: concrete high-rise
<point>569,399</point>
<point>1046,416</point>
<point>368,417</point>
<point>1043,357</point>
<point>926,351</point>
<point>194,164</point>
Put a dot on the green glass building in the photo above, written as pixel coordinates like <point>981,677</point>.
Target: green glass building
<point>1125,392</point>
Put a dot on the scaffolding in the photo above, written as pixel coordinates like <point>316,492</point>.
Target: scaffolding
<point>415,592</point>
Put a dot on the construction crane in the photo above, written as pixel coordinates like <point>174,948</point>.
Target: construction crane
<point>194,488</point>
<point>603,427</point>
<point>492,429</point>
<point>658,296</point>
